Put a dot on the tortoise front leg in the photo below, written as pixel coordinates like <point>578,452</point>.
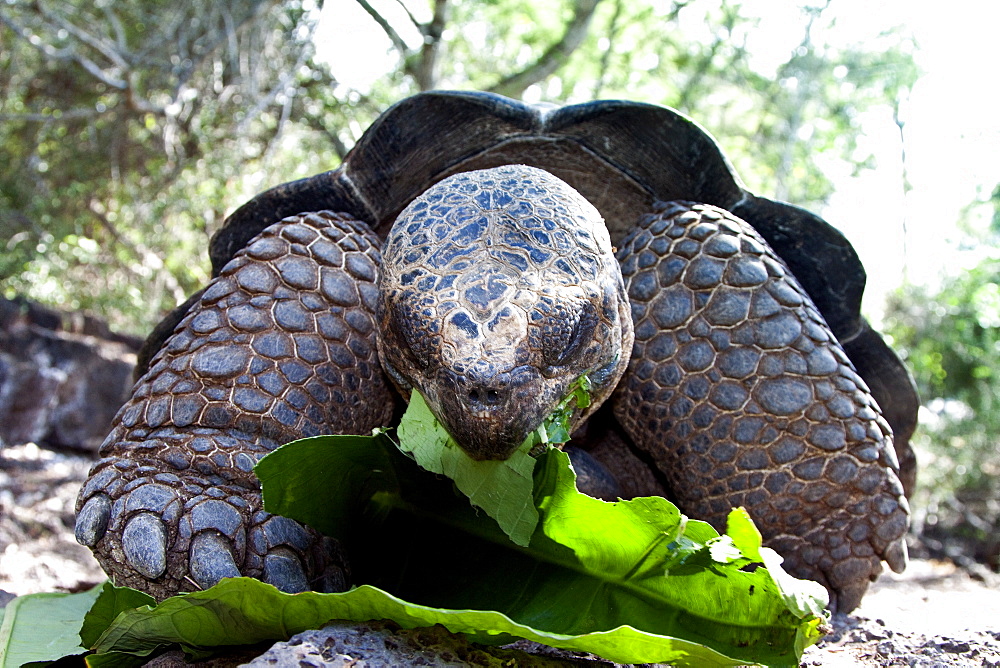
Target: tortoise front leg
<point>280,346</point>
<point>743,397</point>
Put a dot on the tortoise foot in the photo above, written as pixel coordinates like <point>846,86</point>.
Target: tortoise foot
<point>168,531</point>
<point>842,557</point>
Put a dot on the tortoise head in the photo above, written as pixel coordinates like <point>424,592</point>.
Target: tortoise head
<point>499,289</point>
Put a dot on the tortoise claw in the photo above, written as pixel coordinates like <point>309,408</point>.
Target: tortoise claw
<point>211,559</point>
<point>897,557</point>
<point>144,541</point>
<point>283,531</point>
<point>218,515</point>
<point>92,520</point>
<point>284,570</point>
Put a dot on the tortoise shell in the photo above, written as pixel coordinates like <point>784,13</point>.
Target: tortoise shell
<point>623,157</point>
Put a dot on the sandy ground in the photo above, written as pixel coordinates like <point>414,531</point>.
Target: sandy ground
<point>934,614</point>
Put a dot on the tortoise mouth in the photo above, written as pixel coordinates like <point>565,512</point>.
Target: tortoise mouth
<point>489,414</point>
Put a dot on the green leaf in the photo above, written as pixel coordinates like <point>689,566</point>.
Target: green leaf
<point>557,426</point>
<point>111,601</point>
<point>502,488</point>
<point>362,460</point>
<point>745,535</point>
<point>803,597</point>
<point>590,567</point>
<point>246,611</point>
<point>43,627</point>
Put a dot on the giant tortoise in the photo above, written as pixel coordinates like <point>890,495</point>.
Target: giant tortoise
<point>465,248</point>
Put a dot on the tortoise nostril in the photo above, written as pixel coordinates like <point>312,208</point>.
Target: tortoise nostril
<point>485,396</point>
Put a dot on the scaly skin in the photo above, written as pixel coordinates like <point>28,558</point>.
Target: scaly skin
<point>743,397</point>
<point>280,346</point>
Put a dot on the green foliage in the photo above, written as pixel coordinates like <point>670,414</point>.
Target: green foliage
<point>501,488</point>
<point>243,611</point>
<point>590,566</point>
<point>132,129</point>
<point>557,427</point>
<point>950,337</point>
<point>112,602</point>
<point>43,627</point>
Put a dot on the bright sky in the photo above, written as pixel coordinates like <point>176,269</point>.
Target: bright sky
<point>952,131</point>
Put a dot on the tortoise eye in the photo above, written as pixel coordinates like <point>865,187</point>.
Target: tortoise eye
<point>415,331</point>
<point>566,333</point>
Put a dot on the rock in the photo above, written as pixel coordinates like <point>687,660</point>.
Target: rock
<point>62,377</point>
<point>373,644</point>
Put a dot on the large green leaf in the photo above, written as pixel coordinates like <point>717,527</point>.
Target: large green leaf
<point>243,611</point>
<point>111,603</point>
<point>43,627</point>
<point>590,567</point>
<point>502,488</point>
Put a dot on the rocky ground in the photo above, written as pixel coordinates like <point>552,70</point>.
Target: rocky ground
<point>933,615</point>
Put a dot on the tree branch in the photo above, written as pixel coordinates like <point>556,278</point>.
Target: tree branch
<point>282,86</point>
<point>317,125</point>
<point>327,83</point>
<point>692,87</point>
<point>99,45</point>
<point>65,54</point>
<point>413,19</point>
<point>554,57</point>
<point>55,116</point>
<point>117,26</point>
<point>426,75</point>
<point>606,56</point>
<point>216,38</point>
<point>397,41</point>
<point>794,122</point>
<point>138,250</point>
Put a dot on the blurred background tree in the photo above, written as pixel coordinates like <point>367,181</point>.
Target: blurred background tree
<point>124,128</point>
<point>950,337</point>
<point>129,130</point>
